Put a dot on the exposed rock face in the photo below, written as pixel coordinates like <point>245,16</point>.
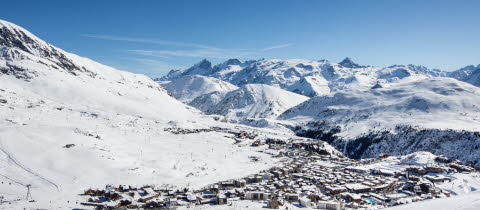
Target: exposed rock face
<point>13,37</point>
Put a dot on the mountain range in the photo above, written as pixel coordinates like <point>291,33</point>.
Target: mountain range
<point>346,104</point>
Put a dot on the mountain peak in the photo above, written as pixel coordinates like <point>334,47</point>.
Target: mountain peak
<point>348,62</point>
<point>17,38</point>
<point>204,67</point>
<point>204,64</point>
<point>233,61</point>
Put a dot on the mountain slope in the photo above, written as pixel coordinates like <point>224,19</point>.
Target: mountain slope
<point>463,73</point>
<point>469,74</point>
<point>310,86</point>
<point>68,123</point>
<point>255,101</point>
<point>383,117</point>
<point>189,87</point>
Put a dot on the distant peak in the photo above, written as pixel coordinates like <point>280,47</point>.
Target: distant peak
<point>376,86</point>
<point>233,61</point>
<point>348,62</point>
<point>204,64</point>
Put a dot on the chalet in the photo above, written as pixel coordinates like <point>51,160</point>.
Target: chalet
<point>208,195</point>
<point>351,197</point>
<point>333,205</point>
<point>221,199</point>
<point>383,172</point>
<point>437,178</point>
<point>461,167</point>
<point>435,169</point>
<point>358,188</point>
<point>335,189</point>
<point>292,197</point>
<point>172,202</point>
<point>417,170</point>
<point>191,197</point>
<point>257,195</point>
<point>228,184</point>
<point>305,202</point>
<point>240,183</point>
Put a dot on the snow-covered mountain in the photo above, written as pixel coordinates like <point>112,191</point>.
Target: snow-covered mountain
<point>469,74</point>
<point>189,87</point>
<point>254,101</point>
<point>306,77</point>
<point>394,119</point>
<point>310,86</point>
<point>68,123</point>
<point>44,70</point>
<point>348,62</point>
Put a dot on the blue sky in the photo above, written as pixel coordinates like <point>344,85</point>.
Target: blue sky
<point>152,37</point>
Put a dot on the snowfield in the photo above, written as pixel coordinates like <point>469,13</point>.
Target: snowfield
<point>189,87</point>
<point>463,202</point>
<point>439,115</point>
<point>429,103</point>
<point>255,101</point>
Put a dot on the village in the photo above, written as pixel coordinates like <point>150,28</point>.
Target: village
<point>313,177</point>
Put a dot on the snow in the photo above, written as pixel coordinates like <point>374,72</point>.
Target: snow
<point>400,163</point>
<point>407,116</point>
<point>307,77</point>
<point>462,183</point>
<point>469,74</point>
<point>464,202</point>
<point>310,86</point>
<point>188,87</point>
<point>255,101</point>
<point>429,103</point>
<point>115,121</point>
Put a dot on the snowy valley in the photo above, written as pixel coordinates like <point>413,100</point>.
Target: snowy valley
<point>297,133</point>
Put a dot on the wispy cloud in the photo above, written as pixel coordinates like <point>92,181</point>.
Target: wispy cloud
<point>150,41</point>
<point>196,50</point>
<point>276,47</point>
<point>207,53</point>
<point>203,53</point>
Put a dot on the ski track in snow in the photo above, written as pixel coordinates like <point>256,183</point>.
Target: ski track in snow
<point>20,165</point>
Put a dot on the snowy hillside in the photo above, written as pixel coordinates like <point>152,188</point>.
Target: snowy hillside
<point>310,86</point>
<point>427,103</point>
<point>462,202</point>
<point>255,101</point>
<point>381,119</point>
<point>189,87</point>
<point>69,123</point>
